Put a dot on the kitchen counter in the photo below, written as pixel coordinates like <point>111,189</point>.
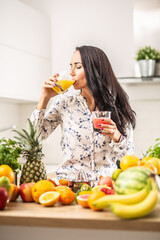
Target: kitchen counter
<point>73,216</point>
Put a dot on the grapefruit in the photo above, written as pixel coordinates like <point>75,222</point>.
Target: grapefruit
<point>83,200</point>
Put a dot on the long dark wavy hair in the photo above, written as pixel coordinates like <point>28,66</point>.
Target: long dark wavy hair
<point>104,87</point>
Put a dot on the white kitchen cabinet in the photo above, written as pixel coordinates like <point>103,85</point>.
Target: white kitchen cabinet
<point>24,51</point>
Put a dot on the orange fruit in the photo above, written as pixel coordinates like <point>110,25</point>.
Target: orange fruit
<point>143,161</point>
<point>83,200</point>
<point>41,187</point>
<point>129,161</point>
<point>14,193</point>
<point>7,171</point>
<point>94,196</point>
<point>63,181</point>
<point>67,196</point>
<point>48,199</point>
<point>150,166</point>
<point>156,163</point>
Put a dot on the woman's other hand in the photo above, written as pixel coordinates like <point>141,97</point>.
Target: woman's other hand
<point>109,128</point>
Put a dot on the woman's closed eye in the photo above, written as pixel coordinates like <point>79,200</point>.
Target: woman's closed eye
<point>79,67</point>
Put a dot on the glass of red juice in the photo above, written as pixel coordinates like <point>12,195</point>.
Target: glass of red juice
<point>97,117</point>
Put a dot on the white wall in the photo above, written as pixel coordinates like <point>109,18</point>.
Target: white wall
<point>24,50</point>
<point>103,23</point>
<point>146,26</point>
<point>9,116</point>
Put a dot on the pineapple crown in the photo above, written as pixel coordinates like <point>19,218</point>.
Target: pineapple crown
<point>29,141</point>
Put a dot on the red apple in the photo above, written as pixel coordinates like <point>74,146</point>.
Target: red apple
<point>25,191</point>
<point>3,197</point>
<point>105,180</point>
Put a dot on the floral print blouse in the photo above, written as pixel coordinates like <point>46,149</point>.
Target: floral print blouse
<point>82,148</point>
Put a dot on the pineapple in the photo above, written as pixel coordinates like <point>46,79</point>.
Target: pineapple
<point>29,140</point>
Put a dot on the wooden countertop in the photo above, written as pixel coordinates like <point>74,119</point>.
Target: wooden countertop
<point>73,216</point>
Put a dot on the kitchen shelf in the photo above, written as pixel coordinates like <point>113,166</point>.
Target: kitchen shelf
<point>141,89</point>
<point>139,80</point>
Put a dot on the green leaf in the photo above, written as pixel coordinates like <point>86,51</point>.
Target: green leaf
<point>9,153</point>
<point>154,151</point>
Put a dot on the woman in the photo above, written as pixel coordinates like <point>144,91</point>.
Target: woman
<point>84,149</point>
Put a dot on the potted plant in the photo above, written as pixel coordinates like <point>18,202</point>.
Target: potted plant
<point>9,154</point>
<point>147,58</point>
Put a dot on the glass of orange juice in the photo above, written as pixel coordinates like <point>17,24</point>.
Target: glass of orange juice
<point>97,117</point>
<point>64,82</point>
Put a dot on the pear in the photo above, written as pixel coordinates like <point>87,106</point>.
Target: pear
<point>5,183</point>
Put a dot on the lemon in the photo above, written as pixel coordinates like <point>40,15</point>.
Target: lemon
<point>48,199</point>
<point>129,161</point>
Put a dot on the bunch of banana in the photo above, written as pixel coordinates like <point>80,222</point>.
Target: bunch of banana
<point>133,205</point>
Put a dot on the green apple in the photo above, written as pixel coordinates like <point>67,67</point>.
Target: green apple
<point>5,183</point>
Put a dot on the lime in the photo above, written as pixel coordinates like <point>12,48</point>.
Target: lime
<point>116,173</point>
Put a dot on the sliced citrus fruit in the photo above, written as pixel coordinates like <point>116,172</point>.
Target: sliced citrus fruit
<point>83,200</point>
<point>49,198</point>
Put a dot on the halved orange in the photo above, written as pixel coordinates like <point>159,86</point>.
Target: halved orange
<point>48,199</point>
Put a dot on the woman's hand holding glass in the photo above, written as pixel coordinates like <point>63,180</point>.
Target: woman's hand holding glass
<point>109,128</point>
<point>47,87</point>
<point>103,124</point>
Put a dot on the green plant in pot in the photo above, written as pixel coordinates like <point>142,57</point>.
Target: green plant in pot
<point>30,142</point>
<point>9,153</point>
<point>147,58</point>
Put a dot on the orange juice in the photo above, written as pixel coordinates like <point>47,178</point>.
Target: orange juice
<point>65,84</point>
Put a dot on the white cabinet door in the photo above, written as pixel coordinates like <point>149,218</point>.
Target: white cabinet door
<point>24,50</point>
